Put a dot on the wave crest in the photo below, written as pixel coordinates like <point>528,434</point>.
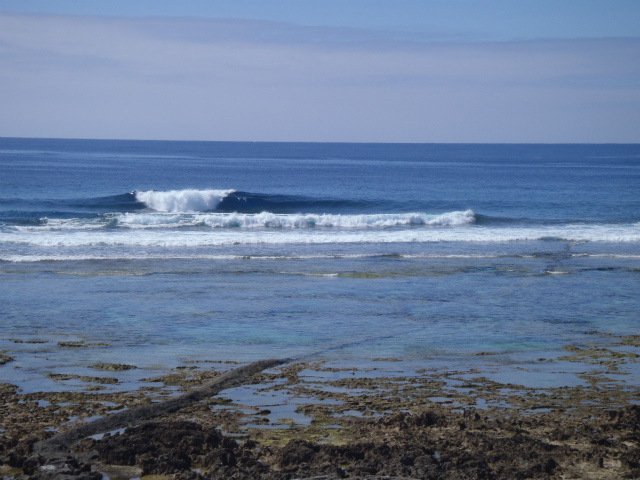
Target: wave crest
<point>182,201</point>
<point>272,220</point>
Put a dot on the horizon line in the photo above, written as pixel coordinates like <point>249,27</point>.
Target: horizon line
<point>314,141</point>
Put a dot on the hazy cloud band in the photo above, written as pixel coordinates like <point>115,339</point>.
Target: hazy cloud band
<point>205,79</point>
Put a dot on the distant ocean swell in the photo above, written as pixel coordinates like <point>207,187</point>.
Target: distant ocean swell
<point>191,201</point>
<point>154,207</point>
<point>212,209</point>
<point>187,219</point>
<point>229,201</point>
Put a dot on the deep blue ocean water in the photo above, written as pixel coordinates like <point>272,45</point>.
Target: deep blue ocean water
<point>187,251</point>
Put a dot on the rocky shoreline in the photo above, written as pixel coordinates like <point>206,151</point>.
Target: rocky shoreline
<point>343,423</point>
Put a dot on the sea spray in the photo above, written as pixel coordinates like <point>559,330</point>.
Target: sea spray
<point>176,201</point>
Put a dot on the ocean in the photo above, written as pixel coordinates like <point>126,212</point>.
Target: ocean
<point>157,254</point>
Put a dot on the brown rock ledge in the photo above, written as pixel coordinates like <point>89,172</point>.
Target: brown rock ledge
<point>399,433</point>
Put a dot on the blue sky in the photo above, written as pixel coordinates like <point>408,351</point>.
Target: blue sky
<point>299,70</point>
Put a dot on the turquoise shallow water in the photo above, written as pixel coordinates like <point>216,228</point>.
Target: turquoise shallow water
<point>170,252</point>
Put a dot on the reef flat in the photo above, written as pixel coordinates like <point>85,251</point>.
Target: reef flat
<point>315,419</point>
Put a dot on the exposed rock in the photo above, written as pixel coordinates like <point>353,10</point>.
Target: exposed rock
<point>5,358</point>
<point>114,367</point>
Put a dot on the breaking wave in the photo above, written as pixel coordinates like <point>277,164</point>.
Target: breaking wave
<point>172,237</point>
<point>272,220</point>
<point>182,201</point>
<point>193,201</point>
<point>264,220</point>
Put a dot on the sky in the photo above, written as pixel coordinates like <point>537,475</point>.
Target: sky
<point>503,71</point>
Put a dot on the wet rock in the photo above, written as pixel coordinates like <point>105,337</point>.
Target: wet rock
<point>73,344</point>
<point>412,438</point>
<point>114,367</point>
<point>5,358</point>
<point>626,418</point>
<point>7,389</point>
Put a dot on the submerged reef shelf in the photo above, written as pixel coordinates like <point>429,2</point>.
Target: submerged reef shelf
<point>385,419</point>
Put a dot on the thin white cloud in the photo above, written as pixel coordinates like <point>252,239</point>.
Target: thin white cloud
<point>246,80</point>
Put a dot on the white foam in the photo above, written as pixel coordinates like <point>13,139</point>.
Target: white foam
<point>151,220</point>
<point>176,201</point>
<point>54,224</point>
<point>171,237</point>
<point>606,255</point>
<point>137,255</point>
<point>271,220</point>
<point>134,254</point>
